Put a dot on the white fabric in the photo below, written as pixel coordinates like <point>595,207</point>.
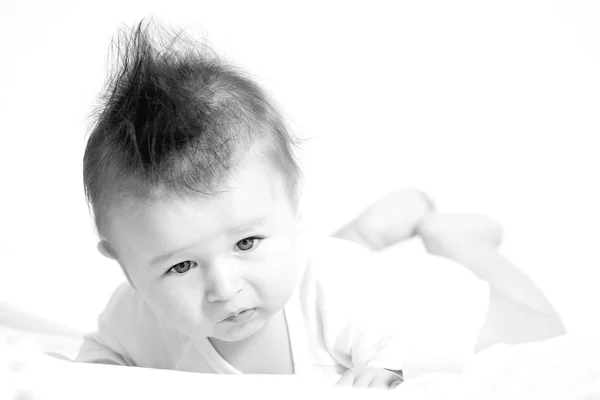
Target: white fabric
<point>350,307</point>
<point>563,368</point>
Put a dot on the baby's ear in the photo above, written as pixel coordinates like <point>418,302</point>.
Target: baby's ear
<point>104,249</point>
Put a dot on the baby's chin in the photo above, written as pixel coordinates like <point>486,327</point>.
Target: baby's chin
<point>237,337</point>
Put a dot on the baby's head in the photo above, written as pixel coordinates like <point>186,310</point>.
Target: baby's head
<point>191,176</point>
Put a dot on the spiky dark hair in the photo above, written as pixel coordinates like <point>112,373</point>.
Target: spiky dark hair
<point>174,118</point>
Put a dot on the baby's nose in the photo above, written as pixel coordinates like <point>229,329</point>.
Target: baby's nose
<point>223,283</point>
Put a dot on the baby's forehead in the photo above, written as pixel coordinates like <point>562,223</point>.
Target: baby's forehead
<point>251,183</point>
<point>174,220</point>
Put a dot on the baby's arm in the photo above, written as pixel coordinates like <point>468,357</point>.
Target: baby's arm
<point>518,312</point>
<point>96,353</point>
<point>116,331</point>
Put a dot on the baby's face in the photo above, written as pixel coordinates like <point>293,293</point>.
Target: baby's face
<point>197,260</point>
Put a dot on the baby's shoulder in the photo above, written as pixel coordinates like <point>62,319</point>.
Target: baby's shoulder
<point>129,323</point>
<point>124,307</point>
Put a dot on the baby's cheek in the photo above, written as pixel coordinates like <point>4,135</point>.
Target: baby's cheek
<point>180,309</point>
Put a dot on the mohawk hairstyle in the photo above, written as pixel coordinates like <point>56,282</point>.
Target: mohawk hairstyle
<point>174,119</point>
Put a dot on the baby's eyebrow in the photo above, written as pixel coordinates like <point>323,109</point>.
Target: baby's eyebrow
<point>155,261</point>
<point>252,224</point>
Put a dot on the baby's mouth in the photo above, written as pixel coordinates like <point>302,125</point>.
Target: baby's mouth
<point>240,316</point>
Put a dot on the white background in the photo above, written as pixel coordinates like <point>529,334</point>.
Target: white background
<point>488,106</point>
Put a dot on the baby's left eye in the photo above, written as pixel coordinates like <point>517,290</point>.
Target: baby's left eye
<point>248,243</point>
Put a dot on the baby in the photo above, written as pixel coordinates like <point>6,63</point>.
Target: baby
<point>191,176</point>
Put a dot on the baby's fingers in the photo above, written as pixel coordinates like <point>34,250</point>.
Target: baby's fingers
<point>356,378</point>
<point>364,380</point>
<point>347,380</point>
<point>370,377</point>
<point>385,382</point>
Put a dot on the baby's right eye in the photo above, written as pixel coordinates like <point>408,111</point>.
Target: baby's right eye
<point>182,267</point>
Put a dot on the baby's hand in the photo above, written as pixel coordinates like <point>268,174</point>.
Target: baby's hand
<point>370,377</point>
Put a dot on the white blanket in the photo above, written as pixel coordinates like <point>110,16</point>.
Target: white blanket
<point>564,368</point>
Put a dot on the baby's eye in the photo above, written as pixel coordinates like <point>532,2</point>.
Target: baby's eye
<point>248,243</point>
<point>182,267</point>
